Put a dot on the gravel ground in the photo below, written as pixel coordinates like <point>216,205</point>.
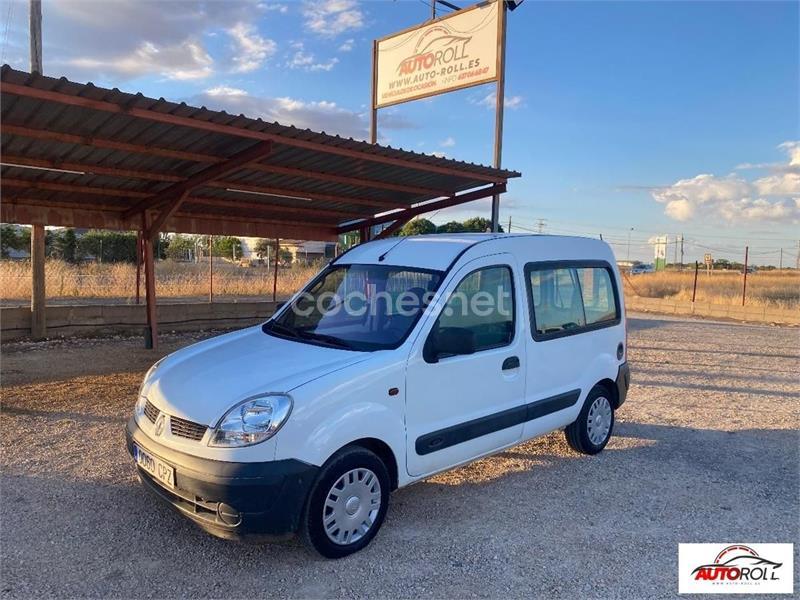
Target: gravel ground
<point>705,449</point>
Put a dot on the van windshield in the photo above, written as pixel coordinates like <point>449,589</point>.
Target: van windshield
<point>358,307</point>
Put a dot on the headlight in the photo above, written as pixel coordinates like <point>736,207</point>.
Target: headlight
<point>252,421</point>
<point>147,376</point>
<point>138,408</point>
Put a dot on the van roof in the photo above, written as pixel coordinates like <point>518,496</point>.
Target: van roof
<point>438,251</point>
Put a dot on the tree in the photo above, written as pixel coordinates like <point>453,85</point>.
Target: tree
<point>478,225</point>
<point>11,239</point>
<point>181,247</point>
<point>418,227</point>
<point>64,245</point>
<point>227,246</point>
<point>107,246</point>
<point>451,227</point>
<point>265,248</point>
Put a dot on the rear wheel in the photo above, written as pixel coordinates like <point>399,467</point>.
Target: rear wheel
<point>590,433</point>
<point>347,503</point>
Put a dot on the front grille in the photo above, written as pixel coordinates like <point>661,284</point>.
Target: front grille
<point>150,411</point>
<point>187,429</point>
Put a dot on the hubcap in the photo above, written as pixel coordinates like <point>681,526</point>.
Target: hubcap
<point>599,422</point>
<point>351,506</point>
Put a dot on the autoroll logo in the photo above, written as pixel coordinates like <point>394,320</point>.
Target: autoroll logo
<point>438,47</point>
<point>736,568</point>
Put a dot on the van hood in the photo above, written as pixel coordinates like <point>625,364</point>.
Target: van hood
<point>203,381</point>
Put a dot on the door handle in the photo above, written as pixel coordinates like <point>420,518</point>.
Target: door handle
<point>512,362</point>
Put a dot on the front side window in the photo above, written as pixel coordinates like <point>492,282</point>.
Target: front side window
<point>358,307</point>
<point>568,298</point>
<point>482,305</point>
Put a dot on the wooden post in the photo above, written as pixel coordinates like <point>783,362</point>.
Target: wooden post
<point>210,269</point>
<point>275,272</point>
<point>744,280</point>
<point>151,337</point>
<point>694,287</point>
<point>139,245</point>
<point>38,317</point>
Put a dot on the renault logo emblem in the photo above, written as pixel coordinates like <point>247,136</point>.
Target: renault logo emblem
<point>160,422</point>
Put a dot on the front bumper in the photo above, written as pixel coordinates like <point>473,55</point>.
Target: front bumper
<point>228,499</point>
<point>623,383</point>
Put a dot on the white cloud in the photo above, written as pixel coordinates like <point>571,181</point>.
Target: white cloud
<point>270,7</point>
<point>775,197</point>
<point>186,60</point>
<point>319,115</point>
<point>490,100</point>
<point>448,142</point>
<point>224,90</point>
<point>347,45</point>
<point>332,17</point>
<point>307,61</point>
<point>251,48</point>
<point>439,154</point>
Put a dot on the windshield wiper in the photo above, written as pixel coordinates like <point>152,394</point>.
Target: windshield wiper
<point>282,329</point>
<point>326,339</point>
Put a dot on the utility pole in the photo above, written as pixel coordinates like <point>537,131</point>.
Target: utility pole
<point>509,224</point>
<point>38,293</point>
<point>744,279</point>
<point>628,258</point>
<point>540,225</point>
<point>682,252</point>
<point>36,35</point>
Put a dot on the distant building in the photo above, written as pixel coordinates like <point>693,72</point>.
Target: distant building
<point>301,250</point>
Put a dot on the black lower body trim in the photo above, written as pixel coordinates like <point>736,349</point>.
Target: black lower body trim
<point>463,432</point>
<point>228,499</point>
<point>623,383</point>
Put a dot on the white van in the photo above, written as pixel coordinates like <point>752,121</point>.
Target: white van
<point>404,357</point>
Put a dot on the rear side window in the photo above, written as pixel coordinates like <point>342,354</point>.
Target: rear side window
<point>597,292</point>
<point>571,297</point>
<point>483,303</point>
<point>556,300</point>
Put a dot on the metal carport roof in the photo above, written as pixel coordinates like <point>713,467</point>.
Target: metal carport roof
<point>197,170</point>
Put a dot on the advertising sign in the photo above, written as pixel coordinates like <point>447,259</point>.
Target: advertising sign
<point>659,251</point>
<point>454,52</point>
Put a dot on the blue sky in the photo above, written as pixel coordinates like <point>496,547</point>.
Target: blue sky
<point>667,117</point>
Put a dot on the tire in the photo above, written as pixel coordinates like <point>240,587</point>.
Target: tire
<point>590,433</point>
<point>364,482</point>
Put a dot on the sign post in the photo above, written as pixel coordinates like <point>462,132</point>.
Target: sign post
<point>499,105</point>
<point>460,50</point>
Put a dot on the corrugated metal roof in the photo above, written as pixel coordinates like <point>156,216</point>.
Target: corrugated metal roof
<point>138,152</point>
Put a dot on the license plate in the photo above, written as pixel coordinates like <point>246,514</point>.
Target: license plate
<point>155,466</point>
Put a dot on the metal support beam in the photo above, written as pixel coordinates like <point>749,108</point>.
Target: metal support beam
<point>499,107</point>
<point>151,334</point>
<point>85,140</point>
<point>38,295</point>
<point>207,175</point>
<point>210,126</point>
<point>424,208</point>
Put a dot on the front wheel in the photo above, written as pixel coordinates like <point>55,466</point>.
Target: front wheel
<point>590,433</point>
<point>347,503</point>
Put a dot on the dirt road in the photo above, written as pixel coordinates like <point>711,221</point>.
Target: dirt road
<point>705,449</point>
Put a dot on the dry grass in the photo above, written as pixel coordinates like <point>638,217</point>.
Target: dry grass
<point>779,289</point>
<point>173,280</point>
<point>185,280</point>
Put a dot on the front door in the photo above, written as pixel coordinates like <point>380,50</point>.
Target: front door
<point>461,406</point>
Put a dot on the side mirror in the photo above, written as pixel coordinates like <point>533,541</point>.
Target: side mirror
<point>449,341</point>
